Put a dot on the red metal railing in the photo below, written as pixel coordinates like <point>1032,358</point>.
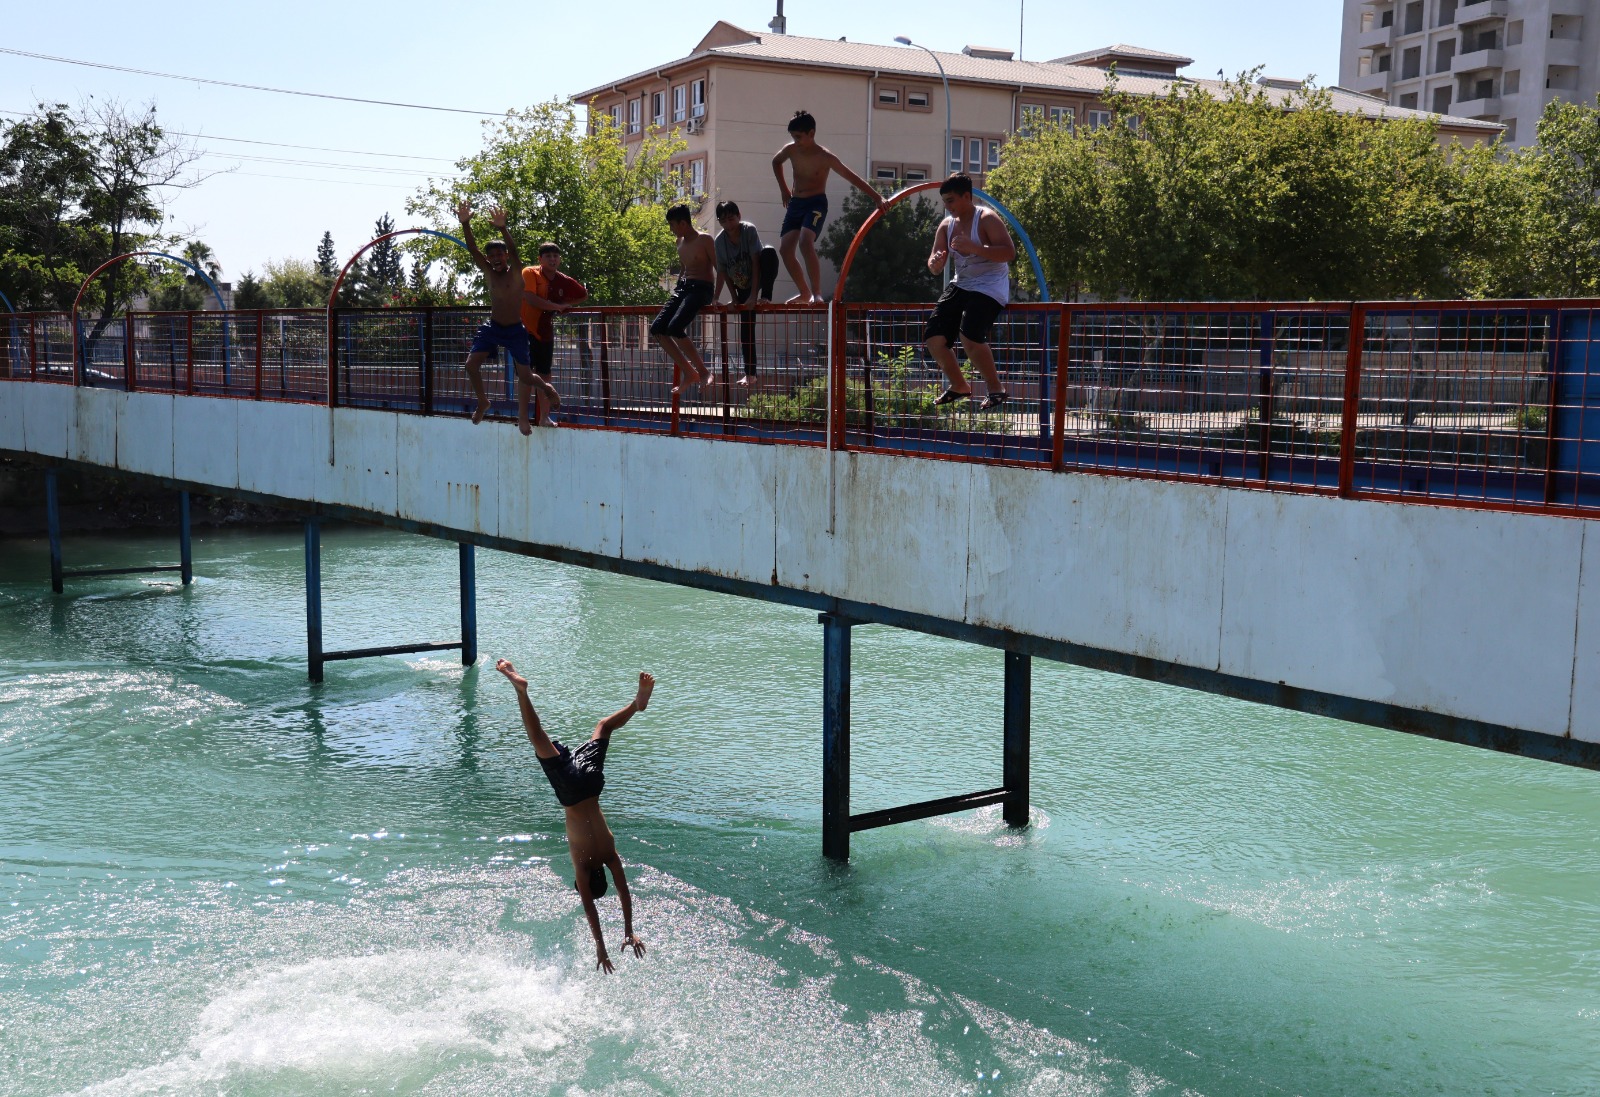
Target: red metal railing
<point>1483,404</point>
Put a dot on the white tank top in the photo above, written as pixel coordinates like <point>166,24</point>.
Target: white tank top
<point>974,273</point>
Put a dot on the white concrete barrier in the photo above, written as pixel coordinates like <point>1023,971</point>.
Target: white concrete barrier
<point>1480,615</point>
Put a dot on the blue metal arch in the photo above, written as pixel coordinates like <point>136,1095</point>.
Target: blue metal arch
<point>1022,233</point>
<point>7,302</point>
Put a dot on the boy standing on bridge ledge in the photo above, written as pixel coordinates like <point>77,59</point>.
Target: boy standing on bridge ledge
<point>577,777</point>
<point>697,265</point>
<point>502,274</point>
<point>807,203</point>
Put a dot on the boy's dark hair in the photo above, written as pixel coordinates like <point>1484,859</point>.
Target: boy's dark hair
<point>597,881</point>
<point>547,247</point>
<point>959,183</point>
<point>491,245</point>
<point>679,212</point>
<point>727,209</point>
<point>802,122</point>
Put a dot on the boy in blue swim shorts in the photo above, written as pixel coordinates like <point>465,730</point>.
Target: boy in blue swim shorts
<point>807,203</point>
<point>502,274</point>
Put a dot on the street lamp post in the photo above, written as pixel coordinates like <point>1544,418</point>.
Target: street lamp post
<point>904,41</point>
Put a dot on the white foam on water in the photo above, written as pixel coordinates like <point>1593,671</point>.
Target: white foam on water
<point>480,980</point>
<point>354,1016</point>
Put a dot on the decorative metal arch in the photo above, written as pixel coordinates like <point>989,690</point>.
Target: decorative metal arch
<point>932,184</point>
<point>77,335</point>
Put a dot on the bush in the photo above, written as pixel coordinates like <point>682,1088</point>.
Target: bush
<point>896,402</point>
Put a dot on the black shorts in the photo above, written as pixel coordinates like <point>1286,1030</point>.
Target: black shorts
<point>690,296</point>
<point>543,355</point>
<point>967,312</point>
<point>577,775</point>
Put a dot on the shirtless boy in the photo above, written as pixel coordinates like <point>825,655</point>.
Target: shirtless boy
<point>697,262</point>
<point>577,777</point>
<point>502,274</point>
<point>807,203</point>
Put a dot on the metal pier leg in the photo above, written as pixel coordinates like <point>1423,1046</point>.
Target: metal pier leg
<point>314,599</point>
<point>52,518</point>
<point>185,550</point>
<point>1018,718</point>
<point>469,605</point>
<point>835,737</point>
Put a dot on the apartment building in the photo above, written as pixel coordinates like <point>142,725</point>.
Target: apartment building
<point>881,108</point>
<point>1490,60</point>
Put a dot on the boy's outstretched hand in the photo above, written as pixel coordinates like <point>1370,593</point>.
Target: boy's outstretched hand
<point>497,217</point>
<point>504,667</point>
<point>464,212</point>
<point>635,942</point>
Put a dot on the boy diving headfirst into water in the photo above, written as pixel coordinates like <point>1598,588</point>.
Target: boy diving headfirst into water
<point>502,274</point>
<point>577,777</point>
<point>807,203</point>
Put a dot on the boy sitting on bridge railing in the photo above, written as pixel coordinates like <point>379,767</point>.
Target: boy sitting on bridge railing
<point>502,274</point>
<point>577,777</point>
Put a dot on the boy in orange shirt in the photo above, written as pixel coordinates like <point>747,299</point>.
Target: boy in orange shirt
<point>545,290</point>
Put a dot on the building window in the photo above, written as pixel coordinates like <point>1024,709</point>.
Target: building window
<point>1408,101</point>
<point>975,156</point>
<point>1483,89</point>
<point>958,147</point>
<point>1384,61</point>
<point>697,177</point>
<point>633,117</point>
<point>658,109</point>
<point>616,116</point>
<point>1441,100</point>
<point>1095,119</point>
<point>1411,63</point>
<point>1063,118</point>
<point>887,176</point>
<point>919,99</point>
<point>1511,130</point>
<point>1413,17</point>
<point>680,99</point>
<point>994,156</point>
<point>1512,82</point>
<point>697,99</point>
<point>889,97</point>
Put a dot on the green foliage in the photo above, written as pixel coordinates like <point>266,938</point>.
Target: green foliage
<point>76,189</point>
<point>327,257</point>
<point>1535,419</point>
<point>384,278</point>
<point>1232,196</point>
<point>249,293</point>
<point>896,401</point>
<point>294,284</point>
<point>581,189</point>
<point>892,264</point>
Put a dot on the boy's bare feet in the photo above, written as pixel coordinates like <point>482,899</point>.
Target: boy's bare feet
<point>748,381</point>
<point>480,411</point>
<point>504,667</point>
<point>799,299</point>
<point>525,427</point>
<point>647,685</point>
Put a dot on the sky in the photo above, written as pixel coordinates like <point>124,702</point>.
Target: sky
<point>266,202</point>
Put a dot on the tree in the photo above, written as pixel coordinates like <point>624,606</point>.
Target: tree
<point>136,162</point>
<point>48,243</point>
<point>1195,195</point>
<point>384,277</point>
<point>294,284</point>
<point>327,258</point>
<point>250,293</point>
<point>892,264</point>
<point>581,189</point>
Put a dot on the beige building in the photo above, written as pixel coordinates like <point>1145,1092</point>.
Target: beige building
<point>881,108</point>
<point>1492,60</point>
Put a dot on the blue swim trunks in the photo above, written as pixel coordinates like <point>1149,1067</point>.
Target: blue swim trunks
<point>805,213</point>
<point>514,337</point>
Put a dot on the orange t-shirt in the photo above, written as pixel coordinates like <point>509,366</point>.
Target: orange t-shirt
<point>561,289</point>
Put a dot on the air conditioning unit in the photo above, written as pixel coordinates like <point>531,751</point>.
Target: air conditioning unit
<point>694,126</point>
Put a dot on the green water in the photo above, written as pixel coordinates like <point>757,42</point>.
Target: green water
<point>219,879</point>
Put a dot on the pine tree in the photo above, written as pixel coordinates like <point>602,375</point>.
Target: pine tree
<point>327,258</point>
<point>384,276</point>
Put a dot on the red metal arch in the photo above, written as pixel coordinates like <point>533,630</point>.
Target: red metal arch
<point>73,329</point>
<point>866,226</point>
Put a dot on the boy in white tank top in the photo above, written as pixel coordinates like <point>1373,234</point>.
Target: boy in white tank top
<point>977,240</point>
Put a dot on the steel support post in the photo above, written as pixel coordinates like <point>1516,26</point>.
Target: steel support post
<point>185,548</point>
<point>1018,726</point>
<point>314,599</point>
<point>469,605</point>
<point>52,517</point>
<point>835,737</point>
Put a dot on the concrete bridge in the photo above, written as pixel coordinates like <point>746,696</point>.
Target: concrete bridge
<point>1478,624</point>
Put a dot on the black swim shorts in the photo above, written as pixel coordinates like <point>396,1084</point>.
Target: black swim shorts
<point>690,296</point>
<point>965,312</point>
<point>543,354</point>
<point>577,775</point>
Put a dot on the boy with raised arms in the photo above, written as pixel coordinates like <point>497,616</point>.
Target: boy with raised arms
<point>502,274</point>
<point>807,203</point>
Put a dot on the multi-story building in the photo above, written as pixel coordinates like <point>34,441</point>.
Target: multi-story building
<point>882,108</point>
<point>1492,60</point>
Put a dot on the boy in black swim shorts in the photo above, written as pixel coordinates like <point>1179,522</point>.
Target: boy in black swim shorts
<point>807,203</point>
<point>578,776</point>
<point>697,265</point>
